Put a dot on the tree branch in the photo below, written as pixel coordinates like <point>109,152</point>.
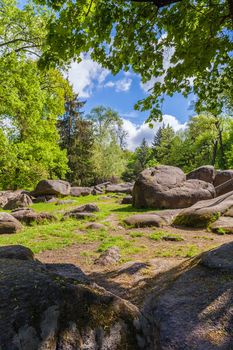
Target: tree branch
<point>160,3</point>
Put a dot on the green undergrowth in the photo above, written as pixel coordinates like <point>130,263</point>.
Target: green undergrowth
<point>185,251</point>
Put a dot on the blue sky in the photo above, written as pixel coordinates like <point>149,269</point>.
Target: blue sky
<point>99,87</point>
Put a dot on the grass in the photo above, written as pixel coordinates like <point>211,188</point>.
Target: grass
<point>133,244</point>
<point>162,235</point>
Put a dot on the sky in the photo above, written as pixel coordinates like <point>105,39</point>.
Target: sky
<point>97,86</point>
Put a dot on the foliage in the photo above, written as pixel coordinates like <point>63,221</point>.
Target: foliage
<point>108,157</point>
<point>184,47</point>
<point>77,138</point>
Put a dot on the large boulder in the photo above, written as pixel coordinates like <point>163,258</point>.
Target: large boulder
<point>8,224</point>
<point>222,176</point>
<point>16,252</point>
<point>224,187</point>
<point>42,309</point>
<point>192,309</point>
<point>205,173</point>
<point>28,216</point>
<point>82,212</point>
<point>165,187</point>
<point>52,187</point>
<point>205,212</point>
<point>120,188</point>
<point>80,191</point>
<point>20,201</point>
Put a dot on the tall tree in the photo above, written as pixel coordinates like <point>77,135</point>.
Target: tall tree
<point>78,139</point>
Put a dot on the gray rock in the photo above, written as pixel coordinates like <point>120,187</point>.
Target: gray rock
<point>205,173</point>
<point>50,308</point>
<point>52,187</point>
<point>29,216</point>
<point>45,199</point>
<point>5,196</point>
<point>20,201</point>
<point>109,257</point>
<point>95,226</point>
<point>164,187</point>
<point>223,225</point>
<point>157,219</point>
<point>219,258</point>
<point>80,191</point>
<point>120,188</point>
<point>79,215</point>
<point>224,187</point>
<point>205,212</point>
<point>8,224</point>
<point>192,310</point>
<point>127,200</point>
<point>16,252</point>
<point>87,208</point>
<point>222,176</point>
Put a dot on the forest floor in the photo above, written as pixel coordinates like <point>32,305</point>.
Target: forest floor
<point>146,254</point>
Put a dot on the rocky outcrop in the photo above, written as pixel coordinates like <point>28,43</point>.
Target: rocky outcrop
<point>8,224</point>
<point>20,201</point>
<point>28,216</point>
<point>43,309</point>
<point>5,196</point>
<point>204,173</point>
<point>157,219</point>
<point>205,212</point>
<point>165,187</point>
<point>222,176</point>
<point>191,307</point>
<point>52,187</point>
<point>80,191</point>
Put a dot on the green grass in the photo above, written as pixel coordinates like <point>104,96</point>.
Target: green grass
<point>186,251</point>
<point>162,235</point>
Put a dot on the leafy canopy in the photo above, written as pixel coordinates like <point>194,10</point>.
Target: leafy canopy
<point>178,46</point>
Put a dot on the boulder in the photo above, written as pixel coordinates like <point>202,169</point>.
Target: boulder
<point>205,212</point>
<point>5,196</point>
<point>223,225</point>
<point>192,309</point>
<point>222,176</point>
<point>52,187</point>
<point>127,200</point>
<point>120,188</point>
<point>109,257</point>
<point>43,309</point>
<point>29,216</point>
<point>205,173</point>
<point>224,187</point>
<point>88,208</point>
<point>79,215</point>
<point>95,226</point>
<point>8,224</point>
<point>16,252</point>
<point>20,201</point>
<point>80,191</point>
<point>165,187</point>
<point>157,219</point>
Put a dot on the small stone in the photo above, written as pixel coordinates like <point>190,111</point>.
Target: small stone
<point>110,256</point>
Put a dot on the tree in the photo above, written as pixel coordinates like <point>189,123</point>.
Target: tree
<point>177,46</point>
<point>77,139</point>
<point>108,157</point>
<point>141,159</point>
<point>157,140</point>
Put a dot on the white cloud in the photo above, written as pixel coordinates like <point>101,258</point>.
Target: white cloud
<point>120,85</point>
<point>85,75</point>
<point>136,133</point>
